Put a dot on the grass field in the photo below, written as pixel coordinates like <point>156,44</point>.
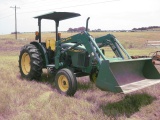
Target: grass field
<point>38,100</point>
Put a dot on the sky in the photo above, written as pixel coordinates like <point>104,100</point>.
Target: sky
<point>104,14</point>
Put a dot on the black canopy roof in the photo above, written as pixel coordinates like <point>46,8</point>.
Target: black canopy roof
<point>58,16</point>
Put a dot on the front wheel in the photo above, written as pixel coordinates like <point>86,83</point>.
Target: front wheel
<point>93,76</point>
<point>66,82</point>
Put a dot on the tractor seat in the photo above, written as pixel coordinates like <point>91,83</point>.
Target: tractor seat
<point>51,43</point>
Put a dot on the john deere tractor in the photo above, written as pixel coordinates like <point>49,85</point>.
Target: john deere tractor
<point>82,55</point>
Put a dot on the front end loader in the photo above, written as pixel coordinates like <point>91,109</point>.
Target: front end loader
<point>81,55</point>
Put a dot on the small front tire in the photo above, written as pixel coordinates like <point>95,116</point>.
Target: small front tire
<point>65,82</point>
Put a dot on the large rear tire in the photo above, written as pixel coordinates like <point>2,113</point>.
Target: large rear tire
<point>66,82</point>
<point>30,62</point>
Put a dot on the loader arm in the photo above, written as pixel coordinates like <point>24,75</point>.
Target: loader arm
<point>110,40</point>
<point>80,39</point>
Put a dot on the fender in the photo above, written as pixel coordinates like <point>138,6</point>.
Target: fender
<point>43,52</point>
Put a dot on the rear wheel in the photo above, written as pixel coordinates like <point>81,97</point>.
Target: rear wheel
<point>66,82</point>
<point>30,62</point>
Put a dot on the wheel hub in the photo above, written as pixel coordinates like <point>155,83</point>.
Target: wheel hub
<point>63,83</point>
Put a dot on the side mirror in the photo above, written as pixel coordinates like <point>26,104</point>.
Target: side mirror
<point>37,35</point>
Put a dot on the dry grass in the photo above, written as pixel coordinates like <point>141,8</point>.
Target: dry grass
<point>31,100</point>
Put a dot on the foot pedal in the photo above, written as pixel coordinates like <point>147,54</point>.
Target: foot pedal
<point>50,68</point>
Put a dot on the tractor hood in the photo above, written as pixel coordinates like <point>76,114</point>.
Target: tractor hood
<point>80,48</point>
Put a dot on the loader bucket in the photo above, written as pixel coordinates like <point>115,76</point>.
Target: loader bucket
<point>126,76</point>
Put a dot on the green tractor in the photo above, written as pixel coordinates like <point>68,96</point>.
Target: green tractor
<point>81,55</point>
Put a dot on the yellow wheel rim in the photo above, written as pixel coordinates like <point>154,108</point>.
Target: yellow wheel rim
<point>63,83</point>
<point>94,77</point>
<point>25,63</point>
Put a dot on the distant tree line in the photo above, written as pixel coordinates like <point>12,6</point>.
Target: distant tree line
<point>79,29</point>
<point>146,28</point>
<point>15,32</point>
<point>97,30</point>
